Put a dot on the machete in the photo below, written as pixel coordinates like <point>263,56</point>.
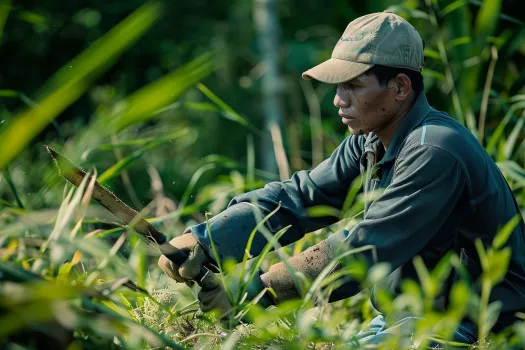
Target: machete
<point>72,173</point>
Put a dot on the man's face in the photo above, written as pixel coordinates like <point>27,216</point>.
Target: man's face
<point>364,105</point>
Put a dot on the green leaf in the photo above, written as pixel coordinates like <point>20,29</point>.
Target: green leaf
<point>124,300</point>
<point>513,171</point>
<point>459,296</point>
<point>8,93</point>
<point>498,262</point>
<point>460,41</point>
<point>498,133</point>
<point>434,74</point>
<point>487,18</point>
<point>116,169</point>
<point>201,106</point>
<point>147,102</point>
<point>32,17</point>
<point>452,7</point>
<point>511,139</point>
<point>432,54</point>
<point>482,254</point>
<point>492,315</point>
<point>384,299</point>
<point>503,235</point>
<point>229,112</point>
<point>63,272</point>
<point>322,211</point>
<point>117,309</point>
<point>442,270</point>
<point>428,284</point>
<point>377,273</point>
<point>351,205</point>
<point>72,80</point>
<point>129,307</point>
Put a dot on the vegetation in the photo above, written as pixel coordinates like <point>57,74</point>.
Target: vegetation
<point>162,102</point>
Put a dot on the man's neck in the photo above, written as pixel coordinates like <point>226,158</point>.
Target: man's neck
<point>386,134</point>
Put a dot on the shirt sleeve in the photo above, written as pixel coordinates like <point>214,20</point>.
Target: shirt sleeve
<point>426,185</point>
<point>327,184</point>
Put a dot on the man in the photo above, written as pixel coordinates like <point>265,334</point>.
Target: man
<point>442,191</point>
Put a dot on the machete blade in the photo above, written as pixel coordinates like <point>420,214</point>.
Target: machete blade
<point>128,215</point>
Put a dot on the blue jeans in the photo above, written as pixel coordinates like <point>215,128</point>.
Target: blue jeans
<point>377,333</point>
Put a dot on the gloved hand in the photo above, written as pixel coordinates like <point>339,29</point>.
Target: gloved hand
<point>197,257</point>
<point>218,299</point>
<point>279,278</point>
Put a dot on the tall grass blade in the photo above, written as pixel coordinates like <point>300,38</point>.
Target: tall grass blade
<point>503,235</point>
<point>512,138</point>
<point>116,169</point>
<point>513,171</point>
<point>72,80</point>
<point>144,141</point>
<point>229,112</point>
<point>143,104</point>
<point>498,133</point>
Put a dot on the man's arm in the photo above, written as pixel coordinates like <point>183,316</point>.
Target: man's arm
<point>425,188</point>
<point>327,184</point>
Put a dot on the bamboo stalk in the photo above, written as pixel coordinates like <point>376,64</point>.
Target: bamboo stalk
<point>268,31</point>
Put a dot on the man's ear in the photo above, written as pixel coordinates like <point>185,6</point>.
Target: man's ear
<point>403,86</point>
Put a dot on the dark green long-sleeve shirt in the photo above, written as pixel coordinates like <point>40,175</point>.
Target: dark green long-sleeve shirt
<point>441,192</point>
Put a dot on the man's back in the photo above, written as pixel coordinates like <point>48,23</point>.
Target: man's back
<point>486,206</point>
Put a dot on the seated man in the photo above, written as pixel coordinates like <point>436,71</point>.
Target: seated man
<point>441,190</point>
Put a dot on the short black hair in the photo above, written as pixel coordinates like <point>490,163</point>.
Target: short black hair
<point>384,74</point>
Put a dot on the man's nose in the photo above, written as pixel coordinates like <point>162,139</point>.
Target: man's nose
<point>340,100</point>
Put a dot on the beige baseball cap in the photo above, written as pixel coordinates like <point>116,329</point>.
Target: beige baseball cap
<point>380,38</point>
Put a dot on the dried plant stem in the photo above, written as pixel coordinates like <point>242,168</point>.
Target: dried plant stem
<point>486,92</point>
<point>316,126</point>
<point>280,154</point>
<point>294,127</point>
<point>444,60</point>
<point>125,177</point>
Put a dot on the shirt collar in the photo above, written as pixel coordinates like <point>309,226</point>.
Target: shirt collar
<point>414,117</point>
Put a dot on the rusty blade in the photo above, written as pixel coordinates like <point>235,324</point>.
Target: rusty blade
<point>107,199</point>
<point>205,278</point>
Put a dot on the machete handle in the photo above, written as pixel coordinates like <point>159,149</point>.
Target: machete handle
<point>206,279</point>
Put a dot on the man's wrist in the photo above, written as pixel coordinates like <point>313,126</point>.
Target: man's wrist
<point>265,280</point>
<point>281,277</point>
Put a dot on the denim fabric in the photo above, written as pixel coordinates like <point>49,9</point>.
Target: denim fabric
<point>376,332</point>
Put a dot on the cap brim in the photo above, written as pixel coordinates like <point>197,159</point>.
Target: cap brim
<point>336,71</point>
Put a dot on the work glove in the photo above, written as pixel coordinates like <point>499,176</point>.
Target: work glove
<point>197,257</point>
<point>278,281</point>
<point>218,299</point>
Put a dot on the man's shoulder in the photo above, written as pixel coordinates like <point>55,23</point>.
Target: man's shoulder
<point>441,131</point>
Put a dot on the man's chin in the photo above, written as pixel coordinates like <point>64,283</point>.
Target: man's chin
<point>356,132</point>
